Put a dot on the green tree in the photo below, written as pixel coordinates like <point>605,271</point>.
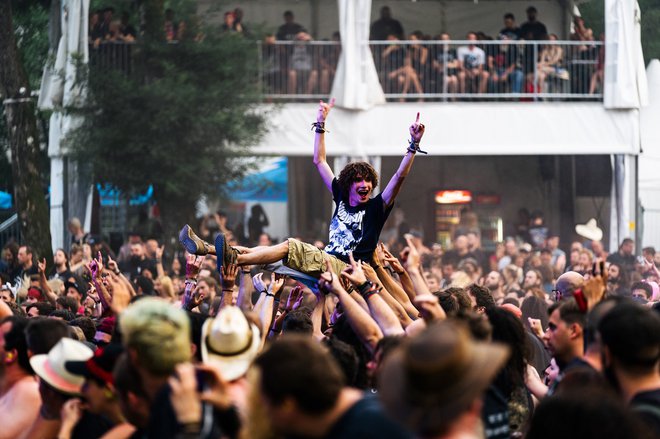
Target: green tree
<point>177,121</point>
<point>594,14</point>
<point>20,119</point>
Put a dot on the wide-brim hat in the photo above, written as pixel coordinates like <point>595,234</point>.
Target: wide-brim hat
<point>435,376</point>
<point>590,230</point>
<point>231,342</point>
<point>51,367</point>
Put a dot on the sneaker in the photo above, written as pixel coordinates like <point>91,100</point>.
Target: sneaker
<point>191,242</point>
<point>225,254</point>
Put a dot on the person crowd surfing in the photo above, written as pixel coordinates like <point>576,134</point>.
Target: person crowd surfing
<point>356,223</point>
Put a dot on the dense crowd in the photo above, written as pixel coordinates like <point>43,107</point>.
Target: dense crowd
<point>126,344</point>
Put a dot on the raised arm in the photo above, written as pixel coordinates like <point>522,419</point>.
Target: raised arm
<point>393,187</point>
<point>319,144</point>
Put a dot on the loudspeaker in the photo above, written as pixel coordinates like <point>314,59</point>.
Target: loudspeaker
<point>593,176</point>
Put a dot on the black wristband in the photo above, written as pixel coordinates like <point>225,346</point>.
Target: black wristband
<point>320,127</point>
<point>413,147</point>
<point>363,288</point>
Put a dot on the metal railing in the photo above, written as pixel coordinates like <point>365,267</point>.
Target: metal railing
<point>444,70</point>
<point>423,70</point>
<point>298,69</point>
<point>117,55</point>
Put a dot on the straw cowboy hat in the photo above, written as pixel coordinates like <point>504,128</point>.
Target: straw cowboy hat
<point>231,342</point>
<point>590,230</point>
<point>51,367</point>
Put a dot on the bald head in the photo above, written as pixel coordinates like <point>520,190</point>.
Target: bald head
<point>569,282</point>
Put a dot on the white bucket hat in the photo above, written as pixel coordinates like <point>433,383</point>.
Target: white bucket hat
<point>230,341</point>
<point>50,367</point>
<point>590,230</point>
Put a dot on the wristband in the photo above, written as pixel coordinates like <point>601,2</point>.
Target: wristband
<point>363,288</point>
<point>320,127</point>
<point>413,147</point>
<point>270,294</point>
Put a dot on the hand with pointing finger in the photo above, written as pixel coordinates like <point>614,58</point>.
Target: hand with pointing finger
<point>416,133</point>
<point>324,109</point>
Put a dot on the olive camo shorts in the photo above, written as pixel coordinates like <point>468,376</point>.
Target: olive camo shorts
<point>308,259</point>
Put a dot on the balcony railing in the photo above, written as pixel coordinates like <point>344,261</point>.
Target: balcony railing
<point>425,70</point>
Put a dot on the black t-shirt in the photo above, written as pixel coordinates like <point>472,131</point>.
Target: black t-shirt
<point>647,406</point>
<point>366,419</point>
<point>91,425</point>
<point>535,28</point>
<point>380,29</point>
<point>288,31</point>
<point>495,414</point>
<point>355,229</point>
<point>512,34</point>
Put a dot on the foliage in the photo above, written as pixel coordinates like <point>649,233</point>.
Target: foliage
<point>176,122</point>
<point>31,30</point>
<point>31,24</point>
<point>594,14</point>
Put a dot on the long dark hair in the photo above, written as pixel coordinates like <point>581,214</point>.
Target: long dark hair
<point>509,330</point>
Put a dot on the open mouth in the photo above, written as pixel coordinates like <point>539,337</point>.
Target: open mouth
<point>363,192</point>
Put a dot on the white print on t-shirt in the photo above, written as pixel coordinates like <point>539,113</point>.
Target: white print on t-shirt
<point>345,231</point>
<point>471,58</point>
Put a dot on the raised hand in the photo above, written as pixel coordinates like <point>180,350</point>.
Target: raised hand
<point>276,283</point>
<point>197,297</point>
<point>229,273</point>
<point>413,259</point>
<point>258,282</point>
<point>393,261</point>
<point>354,272</point>
<point>417,130</point>
<point>292,300</point>
<point>41,265</point>
<point>112,265</point>
<point>184,397</point>
<point>193,264</point>
<point>429,308</point>
<point>324,109</point>
<point>159,253</point>
<point>328,281</point>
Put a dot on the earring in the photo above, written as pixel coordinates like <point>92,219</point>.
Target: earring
<point>108,393</point>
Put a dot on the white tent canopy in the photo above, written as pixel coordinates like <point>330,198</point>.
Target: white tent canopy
<point>625,76</point>
<point>60,89</point>
<point>649,160</point>
<point>488,128</point>
<point>356,84</point>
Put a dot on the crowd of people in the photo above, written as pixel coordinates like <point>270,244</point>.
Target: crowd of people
<point>490,65</point>
<point>501,65</point>
<point>354,339</point>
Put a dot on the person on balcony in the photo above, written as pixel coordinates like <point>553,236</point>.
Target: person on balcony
<point>290,29</point>
<point>386,25</point>
<point>445,66</point>
<point>303,74</point>
<point>472,61</point>
<point>510,30</point>
<point>532,29</point>
<point>551,66</point>
<point>506,68</point>
<point>397,70</point>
